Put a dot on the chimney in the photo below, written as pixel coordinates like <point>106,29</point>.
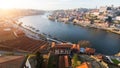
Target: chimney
<point>53,44</point>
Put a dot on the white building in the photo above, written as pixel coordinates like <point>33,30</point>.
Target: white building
<point>118,18</point>
<point>103,9</point>
<point>96,13</point>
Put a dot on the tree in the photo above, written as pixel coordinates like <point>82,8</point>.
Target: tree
<point>39,60</point>
<point>84,44</point>
<point>109,19</point>
<point>75,61</point>
<point>91,21</point>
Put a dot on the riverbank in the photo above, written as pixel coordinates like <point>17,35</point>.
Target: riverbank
<point>108,29</point>
<point>71,33</point>
<point>17,38</point>
<point>97,27</point>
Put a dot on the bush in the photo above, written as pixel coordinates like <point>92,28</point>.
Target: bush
<point>75,61</point>
<point>84,44</point>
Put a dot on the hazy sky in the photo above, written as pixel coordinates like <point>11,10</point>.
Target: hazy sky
<point>56,4</point>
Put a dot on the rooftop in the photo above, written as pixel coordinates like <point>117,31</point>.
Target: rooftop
<point>84,65</point>
<point>4,59</point>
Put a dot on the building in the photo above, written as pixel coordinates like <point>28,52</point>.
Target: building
<point>82,50</point>
<point>103,9</point>
<point>84,65</point>
<point>18,32</point>
<point>118,18</point>
<point>11,61</point>
<point>63,48</point>
<point>6,34</point>
<point>89,51</point>
<point>99,57</point>
<point>95,13</point>
<point>63,62</point>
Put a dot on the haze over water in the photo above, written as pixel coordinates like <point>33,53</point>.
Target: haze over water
<point>104,42</point>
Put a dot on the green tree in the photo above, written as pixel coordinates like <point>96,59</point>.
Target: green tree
<point>109,19</point>
<point>75,61</point>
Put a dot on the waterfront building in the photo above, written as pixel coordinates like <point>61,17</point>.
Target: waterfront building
<point>89,50</point>
<point>118,18</point>
<point>95,12</point>
<point>64,48</point>
<point>63,62</point>
<point>82,50</point>
<point>103,9</point>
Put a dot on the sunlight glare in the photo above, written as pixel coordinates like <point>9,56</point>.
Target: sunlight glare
<point>8,4</point>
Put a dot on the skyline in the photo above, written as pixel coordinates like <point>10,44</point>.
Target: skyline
<point>56,4</point>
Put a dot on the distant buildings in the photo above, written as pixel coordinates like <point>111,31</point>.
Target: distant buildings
<point>102,18</point>
<point>103,9</point>
<point>118,18</point>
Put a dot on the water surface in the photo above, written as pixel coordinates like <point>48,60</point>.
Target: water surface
<point>104,42</point>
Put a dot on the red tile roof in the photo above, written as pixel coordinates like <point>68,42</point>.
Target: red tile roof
<point>11,61</point>
<point>84,65</point>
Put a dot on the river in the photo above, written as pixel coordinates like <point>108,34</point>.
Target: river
<point>104,42</point>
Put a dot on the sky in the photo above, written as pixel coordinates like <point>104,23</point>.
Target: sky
<point>56,4</point>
